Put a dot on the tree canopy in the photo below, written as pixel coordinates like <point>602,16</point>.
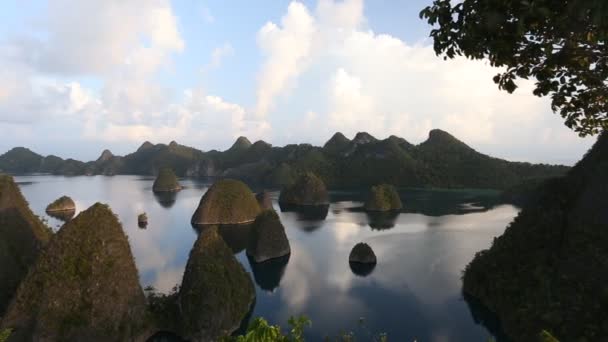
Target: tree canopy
<point>560,43</point>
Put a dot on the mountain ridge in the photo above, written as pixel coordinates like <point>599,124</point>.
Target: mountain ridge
<point>440,161</point>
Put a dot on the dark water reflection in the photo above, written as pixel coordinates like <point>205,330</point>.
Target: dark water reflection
<point>268,274</point>
<point>166,199</point>
<point>362,270</point>
<point>414,292</point>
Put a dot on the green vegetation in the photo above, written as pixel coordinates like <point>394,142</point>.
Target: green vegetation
<point>84,284</point>
<point>164,309</point>
<point>383,197</point>
<point>525,192</point>
<point>337,143</point>
<point>22,237</point>
<point>5,334</point>
<point>260,330</point>
<point>216,291</point>
<point>241,143</point>
<point>226,202</point>
<point>268,240</point>
<point>307,190</point>
<point>550,267</point>
<point>545,336</point>
<point>441,161</point>
<point>166,181</point>
<point>561,45</point>
<point>63,203</point>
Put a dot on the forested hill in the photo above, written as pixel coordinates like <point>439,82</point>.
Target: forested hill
<point>440,161</point>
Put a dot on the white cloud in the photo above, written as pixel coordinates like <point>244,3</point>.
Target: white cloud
<point>123,44</point>
<point>381,84</point>
<point>287,48</point>
<point>218,55</point>
<point>93,37</point>
<point>323,70</point>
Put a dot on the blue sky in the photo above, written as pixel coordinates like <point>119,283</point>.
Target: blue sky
<point>80,76</point>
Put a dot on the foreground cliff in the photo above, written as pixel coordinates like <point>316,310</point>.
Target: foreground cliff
<point>216,292</point>
<point>83,287</point>
<point>22,237</point>
<point>549,269</point>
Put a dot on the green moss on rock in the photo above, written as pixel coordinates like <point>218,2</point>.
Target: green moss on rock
<point>166,181</point>
<point>22,237</point>
<point>308,189</point>
<point>362,253</point>
<point>268,238</point>
<point>216,292</point>
<point>63,203</point>
<point>226,202</point>
<point>83,287</point>
<point>383,197</point>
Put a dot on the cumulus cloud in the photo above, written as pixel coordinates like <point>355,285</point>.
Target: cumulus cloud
<point>384,85</point>
<point>323,70</point>
<point>124,45</point>
<point>286,48</point>
<point>92,37</point>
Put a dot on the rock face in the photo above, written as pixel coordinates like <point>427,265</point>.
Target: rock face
<point>308,190</point>
<point>105,156</point>
<point>363,138</point>
<point>22,236</point>
<point>268,240</point>
<point>552,259</point>
<point>383,197</point>
<point>337,143</point>
<point>226,202</point>
<point>241,144</point>
<point>83,287</point>
<point>216,292</point>
<point>63,203</point>
<point>264,200</point>
<point>362,253</point>
<point>166,181</point>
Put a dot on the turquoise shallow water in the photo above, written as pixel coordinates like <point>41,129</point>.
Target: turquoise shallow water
<point>414,292</point>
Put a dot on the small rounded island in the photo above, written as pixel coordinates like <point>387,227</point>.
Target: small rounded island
<point>142,220</point>
<point>60,205</point>
<point>362,253</point>
<point>166,181</point>
<point>227,202</point>
<point>308,190</point>
<point>383,197</point>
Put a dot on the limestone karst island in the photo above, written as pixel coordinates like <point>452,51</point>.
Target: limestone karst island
<point>304,170</point>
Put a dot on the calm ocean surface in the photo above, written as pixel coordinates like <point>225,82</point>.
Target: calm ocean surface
<point>414,292</point>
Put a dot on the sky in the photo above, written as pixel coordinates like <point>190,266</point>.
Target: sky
<point>80,76</point>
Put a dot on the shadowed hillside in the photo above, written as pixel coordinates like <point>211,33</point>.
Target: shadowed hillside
<point>549,269</point>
